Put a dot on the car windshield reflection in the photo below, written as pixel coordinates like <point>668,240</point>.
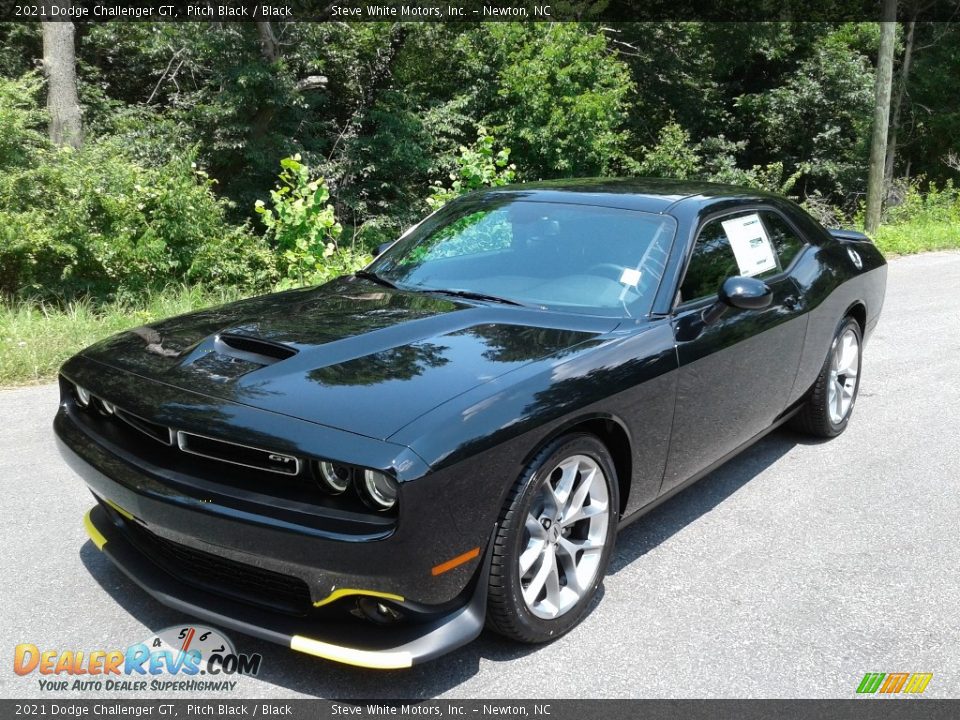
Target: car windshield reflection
<point>572,257</point>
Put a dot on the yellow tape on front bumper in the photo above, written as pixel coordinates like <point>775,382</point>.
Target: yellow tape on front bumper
<point>119,509</point>
<point>98,539</point>
<point>386,660</point>
<point>344,592</point>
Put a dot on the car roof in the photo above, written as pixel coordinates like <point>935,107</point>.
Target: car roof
<point>653,195</point>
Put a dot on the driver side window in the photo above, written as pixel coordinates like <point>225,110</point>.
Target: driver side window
<point>713,261</point>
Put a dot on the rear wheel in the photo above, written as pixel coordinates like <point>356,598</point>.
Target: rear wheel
<point>830,405</point>
<point>554,540</point>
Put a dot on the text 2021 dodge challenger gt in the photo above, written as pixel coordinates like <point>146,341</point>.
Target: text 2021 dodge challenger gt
<point>371,470</point>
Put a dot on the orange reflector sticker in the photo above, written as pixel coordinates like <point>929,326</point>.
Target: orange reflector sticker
<point>455,562</point>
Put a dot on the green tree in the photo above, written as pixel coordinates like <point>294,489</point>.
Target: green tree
<point>881,117</point>
<point>478,166</point>
<point>817,117</point>
<point>673,156</point>
<point>302,225</point>
<point>60,67</point>
<point>554,93</point>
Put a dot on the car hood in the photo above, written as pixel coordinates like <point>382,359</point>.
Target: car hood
<point>350,354</point>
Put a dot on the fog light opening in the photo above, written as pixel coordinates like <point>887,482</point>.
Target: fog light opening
<point>377,611</point>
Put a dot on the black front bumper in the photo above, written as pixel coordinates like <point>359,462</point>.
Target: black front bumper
<point>362,645</point>
<point>145,509</point>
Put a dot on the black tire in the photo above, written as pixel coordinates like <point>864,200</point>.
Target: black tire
<point>814,417</point>
<point>507,611</point>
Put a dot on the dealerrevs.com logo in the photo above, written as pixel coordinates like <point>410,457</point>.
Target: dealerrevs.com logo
<point>894,683</point>
<point>188,658</point>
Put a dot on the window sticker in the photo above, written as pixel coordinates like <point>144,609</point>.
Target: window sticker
<point>630,277</point>
<point>750,244</point>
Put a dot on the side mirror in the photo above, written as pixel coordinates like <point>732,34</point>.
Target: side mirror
<point>382,248</point>
<point>745,293</point>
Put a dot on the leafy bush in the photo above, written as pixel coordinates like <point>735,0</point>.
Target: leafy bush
<point>713,159</point>
<point>818,118</point>
<point>936,204</point>
<point>20,119</point>
<point>94,221</point>
<point>478,166</point>
<point>237,259</point>
<point>673,156</point>
<point>303,226</point>
<point>921,220</point>
<point>378,230</point>
<point>554,92</point>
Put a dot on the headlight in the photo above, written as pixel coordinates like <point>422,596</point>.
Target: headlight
<point>107,407</point>
<point>379,489</point>
<point>83,396</point>
<point>334,478</point>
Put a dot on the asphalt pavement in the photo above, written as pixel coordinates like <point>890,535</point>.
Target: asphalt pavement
<point>789,572</point>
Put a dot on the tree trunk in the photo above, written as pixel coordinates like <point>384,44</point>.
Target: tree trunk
<point>898,103</point>
<point>268,42</point>
<point>881,116</point>
<point>60,67</point>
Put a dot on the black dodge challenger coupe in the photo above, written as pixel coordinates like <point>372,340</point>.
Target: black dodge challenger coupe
<point>372,470</point>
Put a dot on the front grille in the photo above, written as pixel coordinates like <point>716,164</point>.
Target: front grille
<point>247,456</point>
<point>237,454</point>
<point>151,429</point>
<point>256,479</point>
<point>220,575</point>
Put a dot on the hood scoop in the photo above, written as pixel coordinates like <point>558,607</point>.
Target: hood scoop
<point>230,355</point>
<point>252,349</point>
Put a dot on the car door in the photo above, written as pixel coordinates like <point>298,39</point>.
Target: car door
<point>735,373</point>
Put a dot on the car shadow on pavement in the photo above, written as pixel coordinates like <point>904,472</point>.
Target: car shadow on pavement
<point>685,507</point>
<point>311,676</point>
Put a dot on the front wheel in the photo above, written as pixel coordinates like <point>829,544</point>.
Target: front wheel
<point>554,540</point>
<point>830,405</point>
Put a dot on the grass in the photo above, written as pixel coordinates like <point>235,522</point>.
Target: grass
<point>922,221</point>
<point>35,338</point>
<point>917,235</point>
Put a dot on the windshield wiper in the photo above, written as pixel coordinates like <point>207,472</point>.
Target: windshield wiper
<point>470,295</point>
<point>466,294</point>
<point>372,276</point>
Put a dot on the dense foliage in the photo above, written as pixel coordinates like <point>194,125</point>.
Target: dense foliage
<point>98,220</point>
<point>371,125</point>
<point>303,228</point>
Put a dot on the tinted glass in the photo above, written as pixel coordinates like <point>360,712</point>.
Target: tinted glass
<point>713,261</point>
<point>785,241</point>
<point>578,258</point>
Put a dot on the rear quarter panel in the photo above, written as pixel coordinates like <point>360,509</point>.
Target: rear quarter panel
<point>832,285</point>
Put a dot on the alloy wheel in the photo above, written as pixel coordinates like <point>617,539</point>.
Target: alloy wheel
<point>842,380</point>
<point>565,533</point>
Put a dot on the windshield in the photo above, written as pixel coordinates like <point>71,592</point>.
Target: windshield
<point>579,258</point>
